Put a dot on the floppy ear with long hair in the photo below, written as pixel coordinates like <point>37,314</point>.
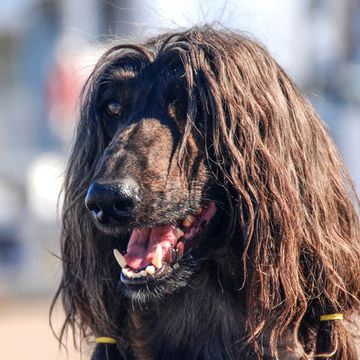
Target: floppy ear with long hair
<point>81,269</point>
<point>292,199</point>
<point>87,288</point>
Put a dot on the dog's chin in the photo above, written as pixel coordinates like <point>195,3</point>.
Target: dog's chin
<point>153,291</point>
<point>161,259</point>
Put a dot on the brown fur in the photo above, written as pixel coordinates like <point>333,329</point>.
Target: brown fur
<point>234,129</point>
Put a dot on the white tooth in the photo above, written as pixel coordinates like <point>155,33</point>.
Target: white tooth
<point>150,270</point>
<point>126,272</point>
<point>158,257</point>
<point>143,273</point>
<point>131,274</point>
<point>119,258</point>
<point>136,275</point>
<point>179,233</point>
<point>189,219</point>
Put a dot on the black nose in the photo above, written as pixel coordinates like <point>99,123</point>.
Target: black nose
<point>113,202</point>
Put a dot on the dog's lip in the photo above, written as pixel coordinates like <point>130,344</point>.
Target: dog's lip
<point>152,253</point>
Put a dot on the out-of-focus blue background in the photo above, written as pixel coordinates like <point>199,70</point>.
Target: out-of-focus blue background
<point>47,47</point>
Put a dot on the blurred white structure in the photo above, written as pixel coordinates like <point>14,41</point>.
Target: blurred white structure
<point>43,185</point>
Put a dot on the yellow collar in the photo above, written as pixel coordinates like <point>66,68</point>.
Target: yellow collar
<point>329,317</point>
<point>105,340</point>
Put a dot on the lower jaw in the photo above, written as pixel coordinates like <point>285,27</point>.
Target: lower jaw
<point>162,273</point>
<point>173,278</point>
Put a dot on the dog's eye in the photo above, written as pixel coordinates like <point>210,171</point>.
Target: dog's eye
<point>113,108</point>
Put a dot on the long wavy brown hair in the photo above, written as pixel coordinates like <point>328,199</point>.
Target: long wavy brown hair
<point>292,234</point>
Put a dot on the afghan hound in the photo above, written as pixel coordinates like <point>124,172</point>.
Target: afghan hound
<point>199,164</point>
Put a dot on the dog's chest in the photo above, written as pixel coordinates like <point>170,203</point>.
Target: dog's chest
<point>139,339</point>
<point>188,323</point>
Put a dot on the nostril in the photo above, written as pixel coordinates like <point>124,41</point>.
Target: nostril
<point>124,205</point>
<point>93,208</point>
<point>99,216</point>
<point>96,212</point>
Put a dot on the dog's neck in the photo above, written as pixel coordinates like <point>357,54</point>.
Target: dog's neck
<point>212,312</point>
<point>161,330</point>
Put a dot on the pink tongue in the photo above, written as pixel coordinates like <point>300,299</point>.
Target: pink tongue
<point>143,243</point>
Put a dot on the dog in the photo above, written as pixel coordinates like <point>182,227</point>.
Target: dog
<point>203,169</point>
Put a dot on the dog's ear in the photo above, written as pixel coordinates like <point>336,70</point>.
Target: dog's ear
<point>290,195</point>
<point>82,284</point>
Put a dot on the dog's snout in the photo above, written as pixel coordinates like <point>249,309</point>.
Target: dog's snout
<point>113,202</point>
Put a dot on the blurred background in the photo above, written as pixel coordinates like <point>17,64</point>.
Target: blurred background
<point>47,48</point>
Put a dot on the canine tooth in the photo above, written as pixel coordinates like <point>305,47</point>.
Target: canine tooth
<point>189,219</point>
<point>158,257</point>
<point>143,273</point>
<point>119,258</point>
<point>179,233</point>
<point>150,269</point>
<point>179,251</point>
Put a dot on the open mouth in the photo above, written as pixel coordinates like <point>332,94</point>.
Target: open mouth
<point>152,253</point>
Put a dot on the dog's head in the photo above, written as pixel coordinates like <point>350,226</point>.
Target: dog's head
<point>196,147</point>
<point>153,181</point>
